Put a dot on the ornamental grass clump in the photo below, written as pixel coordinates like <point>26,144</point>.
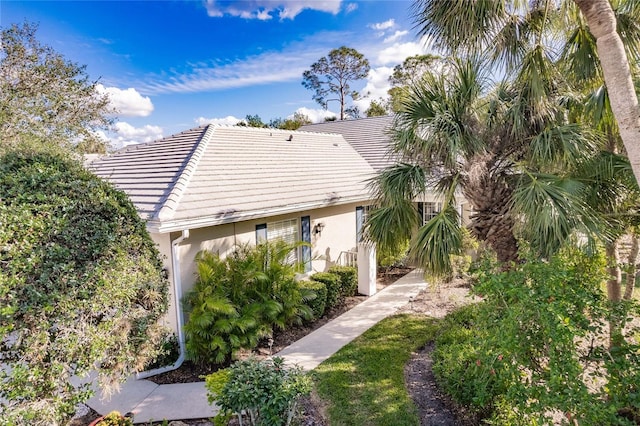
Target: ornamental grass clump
<point>258,392</point>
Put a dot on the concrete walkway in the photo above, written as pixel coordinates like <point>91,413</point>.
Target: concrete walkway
<point>151,402</point>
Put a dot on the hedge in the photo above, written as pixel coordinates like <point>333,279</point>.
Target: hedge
<point>81,286</point>
<point>319,304</point>
<point>348,279</point>
<point>332,282</point>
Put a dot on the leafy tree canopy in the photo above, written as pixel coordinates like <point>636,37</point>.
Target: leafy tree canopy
<point>252,121</point>
<point>408,74</point>
<point>376,108</point>
<point>299,119</point>
<point>44,95</point>
<point>81,286</point>
<point>332,75</point>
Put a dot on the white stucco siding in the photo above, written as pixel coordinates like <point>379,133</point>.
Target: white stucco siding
<point>163,244</point>
<point>338,234</point>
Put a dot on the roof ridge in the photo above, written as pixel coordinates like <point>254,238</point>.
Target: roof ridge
<point>352,120</point>
<point>170,204</point>
<point>272,129</point>
<point>137,146</point>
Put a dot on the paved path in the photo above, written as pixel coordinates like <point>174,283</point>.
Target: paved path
<point>151,402</point>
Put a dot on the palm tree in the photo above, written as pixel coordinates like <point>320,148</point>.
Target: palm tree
<point>507,153</point>
<point>515,149</point>
<point>538,154</point>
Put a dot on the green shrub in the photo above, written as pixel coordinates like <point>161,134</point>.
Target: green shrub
<point>81,286</point>
<point>348,279</point>
<point>266,391</point>
<point>461,263</point>
<point>455,363</point>
<point>332,282</point>
<point>388,257</point>
<point>238,300</point>
<point>319,302</point>
<point>535,346</point>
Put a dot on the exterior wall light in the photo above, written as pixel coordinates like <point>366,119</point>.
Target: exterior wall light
<point>317,229</point>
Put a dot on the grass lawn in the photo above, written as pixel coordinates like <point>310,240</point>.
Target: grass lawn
<point>363,383</point>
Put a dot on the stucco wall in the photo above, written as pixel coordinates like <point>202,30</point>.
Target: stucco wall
<point>163,244</point>
<point>338,234</point>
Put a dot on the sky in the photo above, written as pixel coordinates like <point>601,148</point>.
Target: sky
<point>172,65</point>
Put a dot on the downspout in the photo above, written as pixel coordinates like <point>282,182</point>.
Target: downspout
<point>177,292</point>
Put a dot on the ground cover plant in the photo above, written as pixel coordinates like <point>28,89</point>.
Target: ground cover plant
<point>81,286</point>
<point>364,381</point>
<point>537,349</point>
<point>238,300</point>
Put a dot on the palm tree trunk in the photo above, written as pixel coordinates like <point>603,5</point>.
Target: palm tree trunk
<point>617,75</point>
<point>491,221</point>
<point>632,270</point>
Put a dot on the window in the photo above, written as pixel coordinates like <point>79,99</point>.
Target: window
<point>284,230</point>
<point>428,211</point>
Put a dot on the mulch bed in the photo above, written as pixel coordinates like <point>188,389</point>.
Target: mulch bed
<point>310,407</point>
<point>191,372</point>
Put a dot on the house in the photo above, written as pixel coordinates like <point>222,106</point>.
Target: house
<point>371,138</point>
<point>214,187</point>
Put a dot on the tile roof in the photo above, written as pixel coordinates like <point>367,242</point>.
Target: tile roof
<point>368,136</point>
<point>221,174</point>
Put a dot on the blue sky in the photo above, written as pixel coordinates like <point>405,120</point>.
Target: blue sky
<point>172,65</point>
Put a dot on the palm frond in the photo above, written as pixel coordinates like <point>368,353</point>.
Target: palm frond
<point>612,188</point>
<point>458,25</point>
<point>391,225</point>
<point>518,32</point>
<point>537,81</point>
<point>551,210</point>
<point>580,54</point>
<point>628,27</point>
<point>439,238</point>
<point>399,182</point>
<point>440,118</point>
<point>558,147</point>
<point>598,106</point>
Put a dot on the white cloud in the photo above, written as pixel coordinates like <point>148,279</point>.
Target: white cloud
<point>267,9</point>
<point>381,26</point>
<point>397,35</point>
<point>230,120</point>
<point>285,65</point>
<point>127,102</point>
<point>351,7</point>
<point>376,87</point>
<point>315,115</point>
<point>398,52</point>
<point>124,134</point>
